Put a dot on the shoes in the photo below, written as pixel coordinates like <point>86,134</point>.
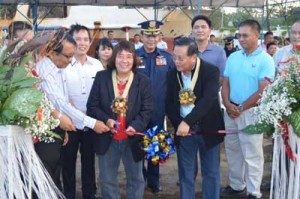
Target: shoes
<point>155,190</point>
<point>228,191</point>
<point>252,197</point>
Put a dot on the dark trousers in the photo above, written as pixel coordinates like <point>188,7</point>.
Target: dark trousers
<point>84,141</point>
<point>151,175</point>
<point>50,155</point>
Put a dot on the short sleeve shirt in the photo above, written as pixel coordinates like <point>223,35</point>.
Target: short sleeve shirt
<point>244,73</point>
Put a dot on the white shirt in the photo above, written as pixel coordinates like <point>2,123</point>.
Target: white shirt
<point>162,45</point>
<point>79,79</point>
<point>54,86</point>
<point>186,109</point>
<point>138,45</point>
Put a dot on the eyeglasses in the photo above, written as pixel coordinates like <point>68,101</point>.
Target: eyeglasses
<point>66,56</point>
<point>244,35</point>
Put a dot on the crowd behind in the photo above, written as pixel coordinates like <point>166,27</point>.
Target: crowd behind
<point>89,94</point>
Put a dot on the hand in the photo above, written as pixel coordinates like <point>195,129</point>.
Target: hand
<point>66,123</point>
<point>100,127</point>
<point>233,111</point>
<point>111,124</point>
<point>183,129</point>
<point>66,139</point>
<point>130,131</point>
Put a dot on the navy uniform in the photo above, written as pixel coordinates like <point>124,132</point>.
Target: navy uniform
<point>228,41</point>
<point>155,65</point>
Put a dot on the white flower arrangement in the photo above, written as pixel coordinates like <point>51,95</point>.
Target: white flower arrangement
<point>21,102</point>
<point>280,102</point>
<point>39,124</point>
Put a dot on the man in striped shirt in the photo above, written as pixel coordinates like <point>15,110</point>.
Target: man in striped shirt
<point>60,50</point>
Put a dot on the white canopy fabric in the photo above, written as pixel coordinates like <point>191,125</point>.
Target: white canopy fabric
<point>143,3</point>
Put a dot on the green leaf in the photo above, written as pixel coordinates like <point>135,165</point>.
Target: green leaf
<point>24,101</point>
<point>55,135</point>
<point>26,83</point>
<point>26,59</point>
<point>7,115</point>
<point>294,120</point>
<point>259,128</point>
<point>19,74</point>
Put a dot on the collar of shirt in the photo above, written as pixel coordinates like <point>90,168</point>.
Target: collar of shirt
<point>157,52</point>
<point>257,51</point>
<point>89,61</point>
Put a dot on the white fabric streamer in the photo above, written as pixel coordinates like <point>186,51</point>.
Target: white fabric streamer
<point>21,171</point>
<point>285,182</point>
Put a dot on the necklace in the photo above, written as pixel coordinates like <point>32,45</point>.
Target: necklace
<point>122,81</point>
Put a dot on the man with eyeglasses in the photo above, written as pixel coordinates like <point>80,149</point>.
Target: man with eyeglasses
<point>60,50</point>
<point>80,75</point>
<point>155,63</point>
<point>244,80</point>
<point>197,120</point>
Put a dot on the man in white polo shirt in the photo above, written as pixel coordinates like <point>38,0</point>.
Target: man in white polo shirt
<point>80,76</point>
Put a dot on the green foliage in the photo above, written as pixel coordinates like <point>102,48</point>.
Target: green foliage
<point>18,98</point>
<point>259,128</point>
<point>294,119</point>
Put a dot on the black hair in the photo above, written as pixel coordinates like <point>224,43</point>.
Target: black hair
<point>190,43</point>
<point>55,44</point>
<point>126,46</point>
<point>201,17</point>
<point>268,33</point>
<point>105,42</point>
<point>16,26</point>
<point>252,23</point>
<point>270,44</point>
<point>77,28</point>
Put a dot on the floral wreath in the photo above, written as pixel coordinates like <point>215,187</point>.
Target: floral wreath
<point>120,106</point>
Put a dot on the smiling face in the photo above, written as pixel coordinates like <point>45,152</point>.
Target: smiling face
<point>83,42</point>
<point>150,42</point>
<point>124,62</point>
<point>201,30</point>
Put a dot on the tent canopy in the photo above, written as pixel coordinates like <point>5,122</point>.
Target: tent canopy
<point>142,3</point>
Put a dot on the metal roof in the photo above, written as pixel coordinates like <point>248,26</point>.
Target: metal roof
<point>142,3</point>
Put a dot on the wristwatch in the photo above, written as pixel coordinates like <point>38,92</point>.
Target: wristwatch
<point>241,107</point>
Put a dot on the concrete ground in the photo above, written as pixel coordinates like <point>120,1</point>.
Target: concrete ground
<point>169,176</point>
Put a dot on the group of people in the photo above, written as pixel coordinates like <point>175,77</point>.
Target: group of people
<point>103,106</point>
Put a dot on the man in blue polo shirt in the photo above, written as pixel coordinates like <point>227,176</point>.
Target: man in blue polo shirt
<point>213,54</point>
<point>155,63</point>
<point>244,81</point>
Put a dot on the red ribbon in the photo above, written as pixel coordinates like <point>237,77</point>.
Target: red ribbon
<point>285,137</point>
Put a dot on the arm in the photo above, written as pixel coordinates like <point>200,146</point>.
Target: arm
<point>252,100</point>
<point>231,109</point>
<point>222,64</point>
<point>267,70</point>
<point>65,122</point>
<point>55,94</point>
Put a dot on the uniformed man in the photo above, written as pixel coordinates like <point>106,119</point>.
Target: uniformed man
<point>155,63</point>
<point>229,46</point>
